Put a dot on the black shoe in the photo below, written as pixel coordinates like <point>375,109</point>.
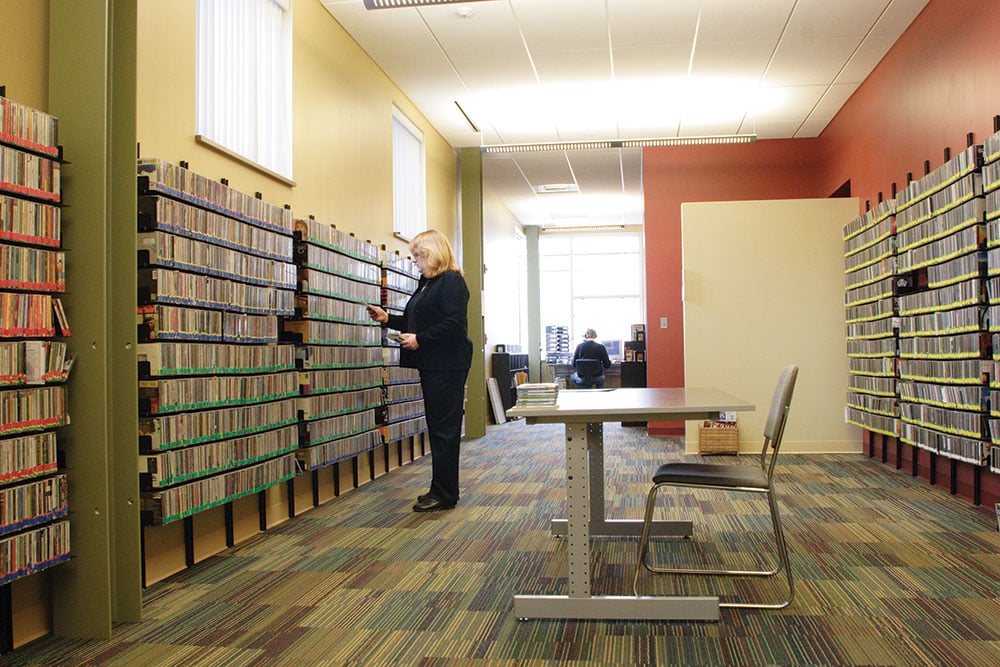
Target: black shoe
<point>424,498</point>
<point>432,504</point>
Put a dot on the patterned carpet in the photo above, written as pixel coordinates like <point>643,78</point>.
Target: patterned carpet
<point>889,571</point>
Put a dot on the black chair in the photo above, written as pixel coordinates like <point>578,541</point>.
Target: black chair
<point>590,373</point>
<point>737,478</point>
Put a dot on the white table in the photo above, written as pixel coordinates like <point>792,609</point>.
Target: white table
<point>584,412</point>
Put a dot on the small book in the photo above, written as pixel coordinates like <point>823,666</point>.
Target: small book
<point>36,354</point>
<point>68,363</point>
<point>60,313</point>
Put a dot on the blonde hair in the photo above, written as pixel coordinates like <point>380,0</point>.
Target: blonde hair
<point>437,250</point>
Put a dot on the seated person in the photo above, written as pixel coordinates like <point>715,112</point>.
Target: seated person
<point>595,359</point>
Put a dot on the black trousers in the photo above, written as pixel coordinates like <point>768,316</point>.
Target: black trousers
<point>444,405</point>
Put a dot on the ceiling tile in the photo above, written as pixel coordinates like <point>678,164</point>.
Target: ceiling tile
<point>490,73</point>
<point>545,167</point>
<point>490,29</point>
<point>641,62</point>
<point>813,19</point>
<point>637,23</point>
<point>732,59</point>
<point>555,25</point>
<point>426,76</point>
<point>832,100</point>
<point>631,161</point>
<point>776,129</point>
<point>803,62</point>
<point>864,60</point>
<point>694,128</point>
<point>812,127</point>
<point>410,37</point>
<point>555,67</point>
<point>898,16</point>
<point>737,21</point>
<point>589,130</point>
<point>511,134</point>
<point>597,171</point>
<point>796,103</point>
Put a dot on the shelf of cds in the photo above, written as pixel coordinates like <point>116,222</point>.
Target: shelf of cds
<point>870,310</point>
<point>34,359</point>
<point>991,189</point>
<point>403,418</point>
<point>338,348</point>
<point>217,390</point>
<point>940,263</point>
<point>922,300</point>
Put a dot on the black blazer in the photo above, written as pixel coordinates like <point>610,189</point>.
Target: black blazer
<point>438,313</point>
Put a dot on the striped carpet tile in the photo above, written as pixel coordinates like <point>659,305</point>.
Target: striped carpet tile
<point>889,571</point>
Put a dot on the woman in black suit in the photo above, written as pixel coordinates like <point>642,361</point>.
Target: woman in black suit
<point>434,340</point>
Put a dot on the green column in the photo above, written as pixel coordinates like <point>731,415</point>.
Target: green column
<point>471,213</point>
<point>92,90</point>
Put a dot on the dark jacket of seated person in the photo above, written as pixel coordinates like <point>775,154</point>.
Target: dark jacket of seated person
<point>590,349</point>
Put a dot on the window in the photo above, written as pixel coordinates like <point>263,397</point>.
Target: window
<point>591,280</point>
<point>409,193</point>
<point>243,59</point>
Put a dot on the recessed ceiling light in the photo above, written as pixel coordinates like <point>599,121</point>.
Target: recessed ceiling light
<point>465,12</point>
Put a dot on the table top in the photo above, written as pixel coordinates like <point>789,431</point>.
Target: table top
<point>634,404</point>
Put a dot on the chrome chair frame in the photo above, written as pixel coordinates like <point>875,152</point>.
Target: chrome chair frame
<point>735,478</point>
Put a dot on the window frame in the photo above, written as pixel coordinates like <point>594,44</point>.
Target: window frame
<point>409,178</point>
<point>572,264</point>
<point>243,87</point>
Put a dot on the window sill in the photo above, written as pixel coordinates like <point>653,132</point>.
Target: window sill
<point>201,139</point>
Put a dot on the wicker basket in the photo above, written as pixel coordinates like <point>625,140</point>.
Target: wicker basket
<point>718,439</point>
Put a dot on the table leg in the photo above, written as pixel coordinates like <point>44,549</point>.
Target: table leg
<point>581,483</point>
<point>599,525</point>
<point>578,510</point>
<point>595,456</point>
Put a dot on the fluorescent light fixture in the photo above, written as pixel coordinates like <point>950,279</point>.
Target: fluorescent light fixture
<point>492,149</point>
<point>553,188</point>
<point>393,4</point>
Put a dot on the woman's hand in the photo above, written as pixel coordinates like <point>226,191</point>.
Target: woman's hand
<point>409,341</point>
<point>377,314</point>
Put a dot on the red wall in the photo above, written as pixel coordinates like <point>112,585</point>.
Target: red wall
<point>940,81</point>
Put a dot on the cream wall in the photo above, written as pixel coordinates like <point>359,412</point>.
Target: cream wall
<point>763,288</point>
<point>24,51</point>
<point>342,115</point>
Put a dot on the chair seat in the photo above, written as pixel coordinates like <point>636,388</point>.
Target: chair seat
<point>712,474</point>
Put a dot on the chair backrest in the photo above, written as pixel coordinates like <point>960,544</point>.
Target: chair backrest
<point>588,369</point>
<point>774,428</point>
